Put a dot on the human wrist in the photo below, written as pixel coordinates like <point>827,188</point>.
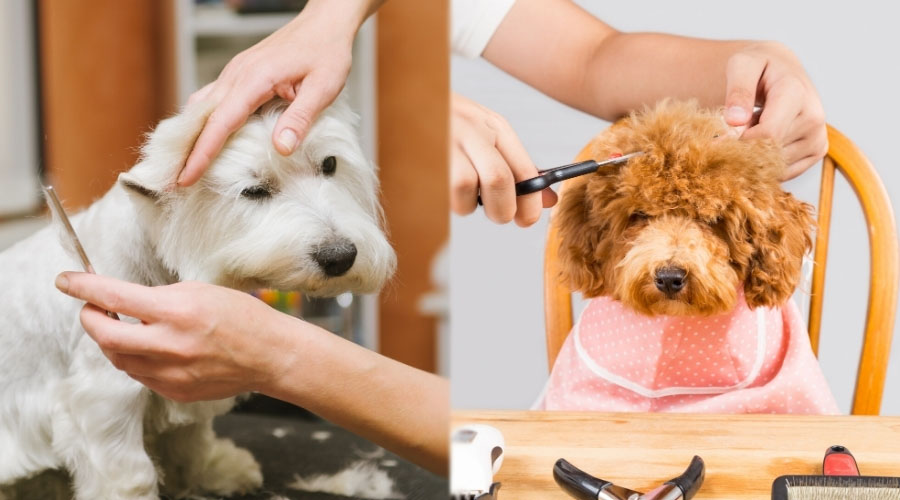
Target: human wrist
<point>287,346</point>
<point>346,15</point>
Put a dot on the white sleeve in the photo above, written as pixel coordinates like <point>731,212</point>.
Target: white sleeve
<point>473,23</point>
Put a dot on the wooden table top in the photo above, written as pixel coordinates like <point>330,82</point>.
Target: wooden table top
<point>743,453</point>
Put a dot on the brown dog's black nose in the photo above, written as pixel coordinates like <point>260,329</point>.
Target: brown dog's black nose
<point>670,280</point>
<point>335,258</point>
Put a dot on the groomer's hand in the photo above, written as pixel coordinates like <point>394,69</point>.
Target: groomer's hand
<point>305,62</point>
<point>195,341</point>
<point>770,74</point>
<point>486,156</point>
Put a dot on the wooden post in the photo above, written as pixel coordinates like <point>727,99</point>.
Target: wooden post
<point>413,65</point>
<point>107,77</point>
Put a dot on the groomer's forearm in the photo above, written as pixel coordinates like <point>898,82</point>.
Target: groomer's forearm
<point>347,15</point>
<point>570,55</point>
<point>629,70</point>
<point>401,408</point>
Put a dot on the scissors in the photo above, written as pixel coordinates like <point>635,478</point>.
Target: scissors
<point>60,213</point>
<point>551,176</point>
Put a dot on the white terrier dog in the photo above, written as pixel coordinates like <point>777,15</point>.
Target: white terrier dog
<point>308,222</point>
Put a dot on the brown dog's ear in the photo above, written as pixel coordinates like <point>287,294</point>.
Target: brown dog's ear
<point>780,240</point>
<point>580,241</point>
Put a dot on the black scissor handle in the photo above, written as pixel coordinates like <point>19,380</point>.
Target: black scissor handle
<point>691,479</point>
<point>552,176</point>
<point>577,483</point>
<point>558,174</point>
<point>549,177</point>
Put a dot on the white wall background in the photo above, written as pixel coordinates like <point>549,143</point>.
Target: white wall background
<point>19,191</point>
<point>850,51</point>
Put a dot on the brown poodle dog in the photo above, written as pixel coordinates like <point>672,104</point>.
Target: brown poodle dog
<point>690,253</point>
<point>676,230</point>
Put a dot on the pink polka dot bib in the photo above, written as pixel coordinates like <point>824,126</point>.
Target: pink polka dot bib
<point>745,361</point>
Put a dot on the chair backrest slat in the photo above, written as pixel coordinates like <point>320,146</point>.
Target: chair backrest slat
<point>820,257</point>
<point>884,269</point>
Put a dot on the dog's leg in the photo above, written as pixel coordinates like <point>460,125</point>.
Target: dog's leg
<point>194,461</point>
<point>98,430</point>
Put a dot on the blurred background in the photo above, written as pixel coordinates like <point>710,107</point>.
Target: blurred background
<point>84,81</point>
<point>497,340</point>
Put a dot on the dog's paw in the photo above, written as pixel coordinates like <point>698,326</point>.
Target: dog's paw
<point>229,470</point>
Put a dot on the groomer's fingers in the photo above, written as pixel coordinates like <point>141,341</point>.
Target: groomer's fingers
<point>783,104</point>
<point>228,116</point>
<point>528,207</point>
<point>742,74</point>
<point>813,144</point>
<point>463,183</point>
<point>166,388</point>
<point>549,198</point>
<point>495,179</point>
<point>201,95</point>
<point>132,364</point>
<point>114,336</point>
<point>152,367</point>
<point>111,294</point>
<point>179,385</point>
<point>316,91</point>
<point>800,166</point>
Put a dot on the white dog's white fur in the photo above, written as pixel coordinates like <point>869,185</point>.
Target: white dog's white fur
<point>255,219</point>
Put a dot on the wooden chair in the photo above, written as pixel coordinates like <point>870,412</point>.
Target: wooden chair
<point>884,272</point>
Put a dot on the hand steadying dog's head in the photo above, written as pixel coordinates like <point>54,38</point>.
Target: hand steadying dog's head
<point>310,221</point>
<point>679,229</point>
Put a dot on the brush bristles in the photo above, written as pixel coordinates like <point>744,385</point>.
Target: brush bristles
<point>853,493</point>
<point>843,488</point>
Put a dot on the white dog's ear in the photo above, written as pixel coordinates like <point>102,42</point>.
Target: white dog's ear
<point>165,151</point>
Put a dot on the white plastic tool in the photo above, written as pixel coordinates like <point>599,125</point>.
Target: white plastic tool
<point>476,453</point>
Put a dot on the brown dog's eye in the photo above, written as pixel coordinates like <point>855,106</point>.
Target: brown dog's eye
<point>329,166</point>
<point>714,223</point>
<point>636,217</point>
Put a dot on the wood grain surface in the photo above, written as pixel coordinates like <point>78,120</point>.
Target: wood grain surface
<point>743,453</point>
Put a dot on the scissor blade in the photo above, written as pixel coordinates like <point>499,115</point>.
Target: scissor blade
<point>598,164</point>
<point>619,159</point>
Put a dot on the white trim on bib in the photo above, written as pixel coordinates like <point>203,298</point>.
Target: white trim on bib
<point>620,381</point>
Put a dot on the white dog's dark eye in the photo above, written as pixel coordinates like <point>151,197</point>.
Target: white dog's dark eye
<point>257,192</point>
<point>329,165</point>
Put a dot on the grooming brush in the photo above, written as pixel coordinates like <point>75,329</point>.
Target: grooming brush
<point>584,486</point>
<point>840,481</point>
<point>476,454</point>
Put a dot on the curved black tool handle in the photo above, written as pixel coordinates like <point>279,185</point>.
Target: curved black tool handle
<point>576,482</point>
<point>555,175</point>
<point>691,479</point>
<point>551,176</point>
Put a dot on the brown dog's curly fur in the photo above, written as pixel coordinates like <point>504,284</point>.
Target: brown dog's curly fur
<point>698,199</point>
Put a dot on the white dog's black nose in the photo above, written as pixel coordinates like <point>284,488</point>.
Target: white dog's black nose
<point>335,258</point>
<point>670,280</point>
